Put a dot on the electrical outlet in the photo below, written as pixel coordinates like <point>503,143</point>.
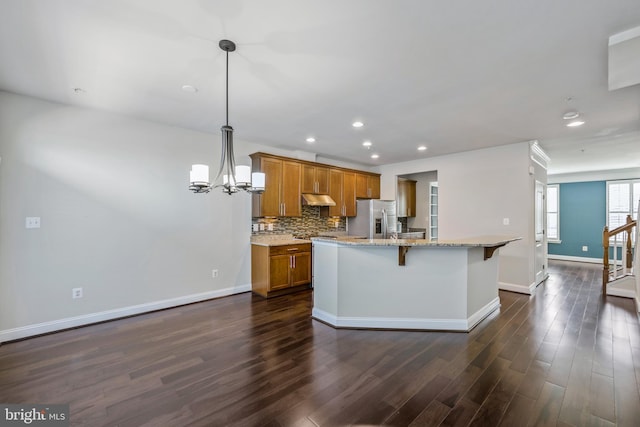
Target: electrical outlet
<point>505,221</point>
<point>214,273</point>
<point>585,249</point>
<point>76,293</point>
<point>32,222</point>
<point>270,227</point>
<point>336,224</point>
<point>261,227</point>
<point>255,227</point>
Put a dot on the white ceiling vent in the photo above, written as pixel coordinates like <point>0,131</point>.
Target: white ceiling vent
<point>624,59</point>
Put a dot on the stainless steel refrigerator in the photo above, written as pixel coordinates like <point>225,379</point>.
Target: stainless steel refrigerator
<point>375,219</point>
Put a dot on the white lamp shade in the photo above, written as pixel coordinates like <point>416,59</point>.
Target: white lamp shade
<point>257,180</point>
<point>243,176</point>
<point>199,173</point>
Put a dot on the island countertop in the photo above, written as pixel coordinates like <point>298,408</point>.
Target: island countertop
<point>478,241</point>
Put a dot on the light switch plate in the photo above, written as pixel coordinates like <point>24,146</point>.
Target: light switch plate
<point>32,222</point>
<point>505,221</point>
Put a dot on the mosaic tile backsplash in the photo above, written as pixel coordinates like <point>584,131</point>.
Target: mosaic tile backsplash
<point>307,225</point>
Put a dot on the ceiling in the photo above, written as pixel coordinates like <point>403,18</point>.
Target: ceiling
<point>451,75</point>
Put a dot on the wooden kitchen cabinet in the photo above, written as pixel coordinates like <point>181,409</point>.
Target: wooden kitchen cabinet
<point>282,191</point>
<point>349,193</point>
<point>277,270</point>
<point>406,200</point>
<point>367,186</point>
<point>286,179</point>
<point>342,189</point>
<point>315,179</point>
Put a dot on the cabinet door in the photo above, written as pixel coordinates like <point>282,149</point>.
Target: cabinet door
<point>269,201</point>
<point>322,180</point>
<point>279,267</point>
<point>362,186</point>
<point>374,186</point>
<point>335,191</point>
<point>349,193</point>
<point>301,271</point>
<point>308,179</point>
<point>291,194</point>
<point>411,198</point>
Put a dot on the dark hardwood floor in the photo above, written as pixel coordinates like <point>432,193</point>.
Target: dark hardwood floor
<point>564,357</point>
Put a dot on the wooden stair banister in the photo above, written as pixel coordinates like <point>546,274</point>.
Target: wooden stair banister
<point>606,238</point>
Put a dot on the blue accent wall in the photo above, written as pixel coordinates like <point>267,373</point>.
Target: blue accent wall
<point>583,215</point>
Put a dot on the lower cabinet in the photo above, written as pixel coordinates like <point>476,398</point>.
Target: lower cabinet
<point>276,270</point>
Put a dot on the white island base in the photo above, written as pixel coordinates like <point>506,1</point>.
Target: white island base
<point>441,286</point>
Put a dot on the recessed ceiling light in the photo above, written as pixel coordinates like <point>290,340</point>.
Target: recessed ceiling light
<point>374,156</point>
<point>367,144</point>
<point>189,88</point>
<point>570,115</point>
<point>311,140</point>
<point>422,148</point>
<point>575,123</point>
<point>357,124</point>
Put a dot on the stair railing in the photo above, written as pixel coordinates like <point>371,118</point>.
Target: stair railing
<point>620,241</point>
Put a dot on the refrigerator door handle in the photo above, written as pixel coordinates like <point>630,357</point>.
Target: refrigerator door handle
<point>384,224</point>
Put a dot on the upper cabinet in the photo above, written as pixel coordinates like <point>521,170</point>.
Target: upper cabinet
<point>342,189</point>
<point>315,179</point>
<point>282,193</point>
<point>367,186</point>
<point>406,200</point>
<point>287,179</point>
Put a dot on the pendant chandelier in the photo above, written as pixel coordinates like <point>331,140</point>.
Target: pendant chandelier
<point>230,177</point>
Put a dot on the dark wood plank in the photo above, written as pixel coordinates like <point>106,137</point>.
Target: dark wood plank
<point>548,405</point>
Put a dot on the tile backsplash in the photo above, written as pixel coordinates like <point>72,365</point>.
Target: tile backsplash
<point>307,225</point>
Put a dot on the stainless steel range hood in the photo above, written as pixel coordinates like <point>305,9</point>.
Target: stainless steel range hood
<point>317,200</point>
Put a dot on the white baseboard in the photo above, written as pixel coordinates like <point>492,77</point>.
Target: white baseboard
<point>575,258</point>
<point>520,289</point>
<point>479,315</point>
<point>86,319</point>
<point>407,323</point>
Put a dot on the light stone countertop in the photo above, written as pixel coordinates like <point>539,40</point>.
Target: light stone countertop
<point>480,241</point>
<point>277,240</point>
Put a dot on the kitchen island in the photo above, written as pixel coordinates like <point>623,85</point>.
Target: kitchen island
<point>405,283</point>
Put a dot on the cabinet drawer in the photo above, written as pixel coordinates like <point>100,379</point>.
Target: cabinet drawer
<point>289,249</point>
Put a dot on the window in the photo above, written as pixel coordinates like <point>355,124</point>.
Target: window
<point>622,200</point>
<point>553,213</point>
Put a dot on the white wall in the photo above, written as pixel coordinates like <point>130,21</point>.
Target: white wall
<point>477,190</point>
<point>117,217</point>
